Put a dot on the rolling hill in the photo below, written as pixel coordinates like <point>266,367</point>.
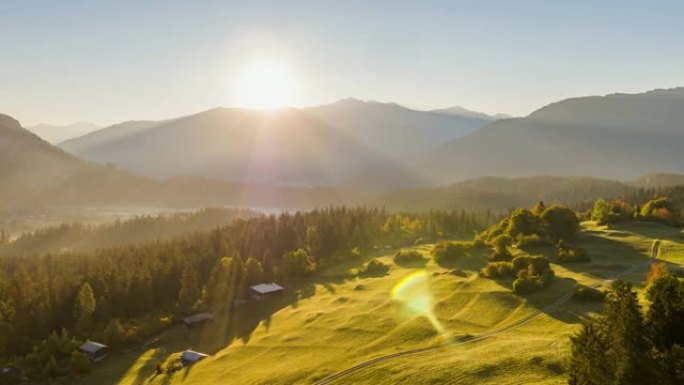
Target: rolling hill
<point>36,173</point>
<point>349,142</point>
<point>618,136</point>
<point>347,329</point>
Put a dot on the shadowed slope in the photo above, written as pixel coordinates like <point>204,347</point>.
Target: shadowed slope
<point>618,136</point>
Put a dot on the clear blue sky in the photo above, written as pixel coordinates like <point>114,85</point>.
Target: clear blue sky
<point>110,61</point>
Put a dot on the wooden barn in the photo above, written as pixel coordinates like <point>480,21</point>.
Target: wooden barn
<point>265,290</point>
<point>189,357</point>
<point>95,350</point>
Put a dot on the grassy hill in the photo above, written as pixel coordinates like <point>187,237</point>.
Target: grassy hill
<point>343,320</point>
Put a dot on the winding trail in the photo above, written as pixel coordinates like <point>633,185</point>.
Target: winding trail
<point>479,337</point>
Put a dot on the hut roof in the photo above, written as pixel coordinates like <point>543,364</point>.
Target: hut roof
<point>266,288</point>
<point>92,347</point>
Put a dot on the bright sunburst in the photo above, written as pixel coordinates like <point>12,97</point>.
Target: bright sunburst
<point>266,84</point>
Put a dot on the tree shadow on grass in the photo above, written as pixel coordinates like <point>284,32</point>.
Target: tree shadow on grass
<point>555,299</point>
<point>610,257</point>
<point>414,263</point>
<point>474,261</point>
<point>650,229</point>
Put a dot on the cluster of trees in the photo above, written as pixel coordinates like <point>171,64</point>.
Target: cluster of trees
<point>660,210</point>
<point>123,294</point>
<point>445,252</point>
<point>566,253</point>
<point>528,229</point>
<point>530,272</point>
<point>624,345</point>
<point>605,212</point>
<point>674,194</point>
<point>407,257</point>
<point>145,228</point>
<point>374,268</point>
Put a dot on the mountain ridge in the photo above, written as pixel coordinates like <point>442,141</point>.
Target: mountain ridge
<point>342,139</point>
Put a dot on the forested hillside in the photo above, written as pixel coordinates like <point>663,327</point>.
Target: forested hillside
<point>119,294</point>
<point>502,194</point>
<point>79,237</point>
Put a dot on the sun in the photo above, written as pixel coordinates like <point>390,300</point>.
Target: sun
<point>266,84</point>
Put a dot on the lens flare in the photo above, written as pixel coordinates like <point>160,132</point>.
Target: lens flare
<point>413,291</point>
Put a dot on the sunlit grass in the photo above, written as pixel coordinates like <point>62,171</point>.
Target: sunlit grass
<point>342,321</point>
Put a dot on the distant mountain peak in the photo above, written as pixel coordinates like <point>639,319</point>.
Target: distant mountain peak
<point>466,113</point>
<point>55,133</point>
<point>352,102</point>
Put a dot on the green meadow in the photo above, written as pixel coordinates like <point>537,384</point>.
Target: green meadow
<point>341,320</point>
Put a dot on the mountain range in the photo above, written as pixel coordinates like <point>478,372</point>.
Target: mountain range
<point>34,172</point>
<point>56,134</point>
<point>464,112</point>
<point>350,142</point>
<point>618,136</point>
<point>384,145</point>
<point>349,152</point>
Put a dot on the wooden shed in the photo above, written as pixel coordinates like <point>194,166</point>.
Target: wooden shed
<point>95,350</point>
<point>265,290</point>
<point>189,357</point>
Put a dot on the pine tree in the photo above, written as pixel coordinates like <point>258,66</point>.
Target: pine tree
<point>665,316</point>
<point>267,264</point>
<point>84,309</point>
<point>79,363</point>
<point>588,363</point>
<point>628,347</point>
<point>254,273</point>
<point>189,290</point>
<point>613,349</point>
<point>114,334</point>
<point>222,282</point>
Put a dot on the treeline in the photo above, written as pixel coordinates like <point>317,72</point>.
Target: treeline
<point>662,210</point>
<point>626,345</point>
<point>123,294</point>
<point>674,194</point>
<point>144,228</point>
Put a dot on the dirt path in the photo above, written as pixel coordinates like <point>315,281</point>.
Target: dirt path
<point>334,377</point>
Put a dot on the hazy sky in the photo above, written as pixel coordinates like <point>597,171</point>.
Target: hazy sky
<point>110,61</point>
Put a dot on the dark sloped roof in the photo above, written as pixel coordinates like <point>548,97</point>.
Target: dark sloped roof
<point>266,288</point>
<point>192,356</point>
<point>92,347</point>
